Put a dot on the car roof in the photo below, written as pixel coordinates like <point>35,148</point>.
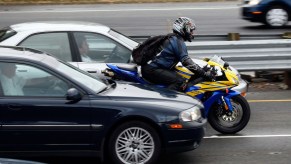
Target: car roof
<point>59,26</point>
<point>21,53</point>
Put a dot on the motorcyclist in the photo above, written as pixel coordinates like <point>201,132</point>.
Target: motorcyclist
<point>160,70</point>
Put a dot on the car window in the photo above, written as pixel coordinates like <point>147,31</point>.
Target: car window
<point>82,77</point>
<point>123,38</point>
<point>100,48</point>
<point>56,44</point>
<point>25,80</point>
<point>6,33</point>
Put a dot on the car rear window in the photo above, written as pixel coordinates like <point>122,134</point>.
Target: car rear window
<point>6,33</point>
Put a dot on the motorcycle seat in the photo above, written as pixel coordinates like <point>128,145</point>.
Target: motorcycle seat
<point>128,67</point>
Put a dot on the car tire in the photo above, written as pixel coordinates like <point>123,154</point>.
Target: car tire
<point>134,142</point>
<point>276,17</point>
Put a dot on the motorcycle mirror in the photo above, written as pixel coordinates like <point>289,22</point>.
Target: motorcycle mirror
<point>206,59</point>
<point>226,65</point>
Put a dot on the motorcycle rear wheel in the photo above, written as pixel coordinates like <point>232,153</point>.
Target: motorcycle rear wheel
<point>233,122</point>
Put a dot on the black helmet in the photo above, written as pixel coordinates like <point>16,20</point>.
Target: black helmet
<point>184,27</point>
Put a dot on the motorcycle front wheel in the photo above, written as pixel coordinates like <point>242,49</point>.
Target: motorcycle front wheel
<point>227,122</point>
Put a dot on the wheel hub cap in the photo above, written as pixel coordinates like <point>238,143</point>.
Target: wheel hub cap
<point>277,17</point>
<point>230,116</point>
<point>134,145</point>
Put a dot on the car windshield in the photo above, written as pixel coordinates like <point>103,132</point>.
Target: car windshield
<point>123,38</point>
<point>6,33</point>
<point>81,76</point>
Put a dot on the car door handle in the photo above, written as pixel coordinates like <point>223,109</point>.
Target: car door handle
<point>91,71</point>
<point>14,106</point>
<point>22,70</point>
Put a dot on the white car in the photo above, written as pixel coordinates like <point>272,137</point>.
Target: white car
<point>60,39</point>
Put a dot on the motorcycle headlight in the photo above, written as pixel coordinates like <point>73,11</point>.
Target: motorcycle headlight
<point>192,114</point>
<point>254,2</point>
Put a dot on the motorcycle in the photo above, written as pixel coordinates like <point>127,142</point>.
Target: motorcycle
<point>227,111</point>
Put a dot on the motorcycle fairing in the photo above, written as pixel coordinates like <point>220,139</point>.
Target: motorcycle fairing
<point>184,72</point>
<point>128,75</point>
<point>208,86</point>
<point>216,96</point>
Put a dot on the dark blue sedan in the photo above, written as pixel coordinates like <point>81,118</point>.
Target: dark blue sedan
<point>274,13</point>
<point>50,107</point>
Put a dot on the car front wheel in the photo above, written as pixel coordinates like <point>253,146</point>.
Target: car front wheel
<point>134,142</point>
<point>276,17</point>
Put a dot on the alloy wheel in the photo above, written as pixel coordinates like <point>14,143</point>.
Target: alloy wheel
<point>231,118</point>
<point>276,17</point>
<point>134,145</point>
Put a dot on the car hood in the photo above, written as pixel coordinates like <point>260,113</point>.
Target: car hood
<point>149,94</point>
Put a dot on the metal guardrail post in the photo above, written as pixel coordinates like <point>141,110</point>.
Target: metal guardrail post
<point>233,36</point>
<point>286,35</point>
<point>287,79</point>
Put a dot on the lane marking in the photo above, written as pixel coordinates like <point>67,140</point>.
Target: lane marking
<point>286,100</point>
<point>248,136</point>
<point>119,10</point>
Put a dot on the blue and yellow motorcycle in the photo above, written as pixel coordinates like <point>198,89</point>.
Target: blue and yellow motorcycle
<point>227,111</point>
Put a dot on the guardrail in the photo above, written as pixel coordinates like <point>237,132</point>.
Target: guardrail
<point>244,52</point>
<point>247,55</point>
<point>231,36</point>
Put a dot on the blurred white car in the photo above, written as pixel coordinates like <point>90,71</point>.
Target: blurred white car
<point>60,39</point>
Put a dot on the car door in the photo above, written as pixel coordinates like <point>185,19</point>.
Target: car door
<point>39,117</point>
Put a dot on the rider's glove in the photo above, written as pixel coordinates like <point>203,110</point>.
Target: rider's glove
<point>209,76</point>
<point>195,68</point>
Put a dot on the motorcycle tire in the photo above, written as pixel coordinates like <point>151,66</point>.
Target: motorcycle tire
<point>235,121</point>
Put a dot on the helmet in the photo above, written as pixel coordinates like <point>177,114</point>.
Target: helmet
<point>184,27</point>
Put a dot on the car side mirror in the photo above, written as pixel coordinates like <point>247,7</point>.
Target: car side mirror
<point>73,95</point>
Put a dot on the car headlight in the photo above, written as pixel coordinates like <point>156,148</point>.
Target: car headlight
<point>192,114</point>
<point>254,2</point>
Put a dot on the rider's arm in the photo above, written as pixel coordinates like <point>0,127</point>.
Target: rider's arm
<point>193,67</point>
<point>181,52</point>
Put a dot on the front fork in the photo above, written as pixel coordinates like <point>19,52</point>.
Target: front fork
<point>221,98</point>
<point>225,101</point>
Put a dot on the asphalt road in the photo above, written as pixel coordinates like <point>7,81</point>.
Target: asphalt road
<point>143,19</point>
<point>266,139</point>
